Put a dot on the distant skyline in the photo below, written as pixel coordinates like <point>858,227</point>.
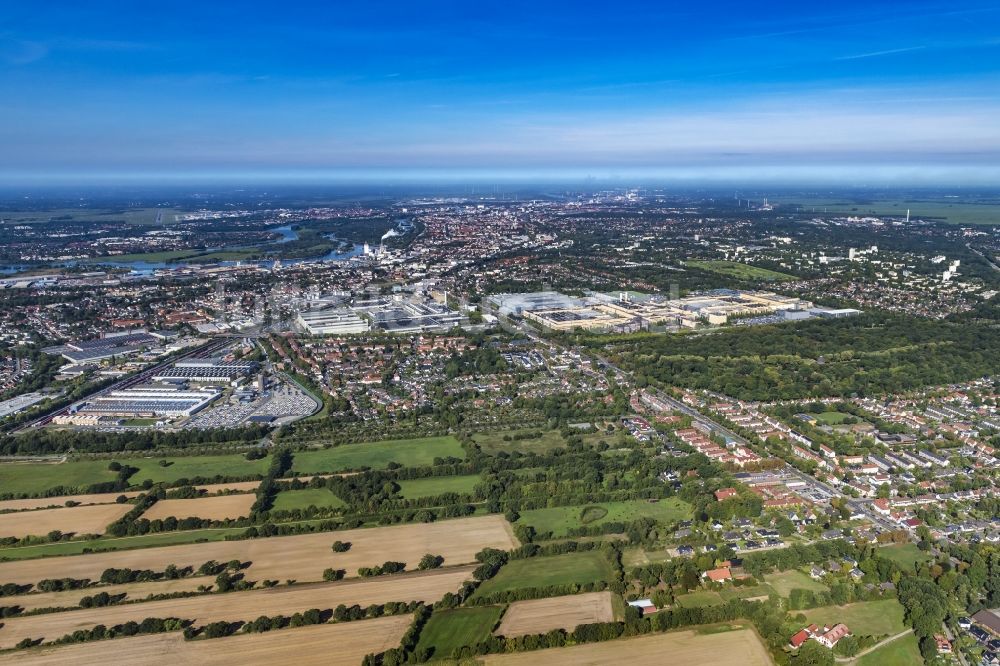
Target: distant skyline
<point>854,92</point>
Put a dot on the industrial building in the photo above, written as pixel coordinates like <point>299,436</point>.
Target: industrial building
<point>334,321</point>
<point>391,314</point>
<point>149,401</point>
<point>206,370</point>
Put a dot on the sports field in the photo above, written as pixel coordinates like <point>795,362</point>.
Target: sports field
<point>89,519</point>
<point>376,455</point>
<point>681,647</point>
<point>560,519</point>
<point>340,644</point>
<point>538,616</point>
<point>865,618</point>
<point>302,557</point>
<point>456,627</point>
<point>438,485</point>
<point>568,569</point>
<point>216,507</point>
<point>235,606</point>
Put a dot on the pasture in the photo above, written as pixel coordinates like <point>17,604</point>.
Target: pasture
<point>680,647</point>
<point>455,627</point>
<point>438,485</point>
<point>34,478</point>
<point>342,644</point>
<point>559,520</point>
<point>88,519</point>
<point>905,555</point>
<point>494,442</point>
<point>189,467</point>
<point>567,569</point>
<point>903,651</point>
<point>215,507</point>
<point>376,455</point>
<point>288,500</point>
<point>865,618</point>
<point>301,557</point>
<point>236,606</point>
<point>538,616</point>
<point>785,581</point>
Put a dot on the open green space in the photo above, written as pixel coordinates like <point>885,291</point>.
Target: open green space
<point>562,518</point>
<point>118,543</point>
<point>865,618</point>
<point>494,442</point>
<point>738,270</point>
<point>302,499</point>
<point>903,651</point>
<point>831,418</point>
<point>699,599</point>
<point>954,211</point>
<point>786,581</point>
<point>568,569</point>
<point>438,485</point>
<point>377,455</point>
<point>450,629</point>
<point>746,592</point>
<point>33,478</point>
<point>189,467</point>
<point>905,555</point>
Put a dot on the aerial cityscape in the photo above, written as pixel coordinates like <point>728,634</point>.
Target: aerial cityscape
<point>415,333</point>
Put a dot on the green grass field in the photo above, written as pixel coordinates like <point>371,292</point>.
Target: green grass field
<point>32,478</point>
<point>406,452</point>
<point>740,271</point>
<point>438,485</point>
<point>121,543</point>
<point>905,555</point>
<point>188,467</point>
<point>866,618</point>
<point>786,581</point>
<point>568,569</point>
<point>302,499</point>
<point>901,652</point>
<point>453,628</point>
<point>699,599</point>
<point>831,418</point>
<point>948,210</point>
<point>493,442</point>
<point>560,519</point>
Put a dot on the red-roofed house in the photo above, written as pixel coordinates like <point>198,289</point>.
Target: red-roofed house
<point>725,493</point>
<point>799,638</point>
<point>832,637</point>
<point>719,575</point>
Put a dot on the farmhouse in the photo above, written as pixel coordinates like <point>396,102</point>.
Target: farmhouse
<point>725,493</point>
<point>719,575</point>
<point>833,636</point>
<point>826,636</point>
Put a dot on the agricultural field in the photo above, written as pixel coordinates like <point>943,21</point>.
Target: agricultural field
<point>865,618</point>
<point>377,455</point>
<point>235,606</point>
<point>903,651</point>
<point>302,499</point>
<point>568,569</point>
<point>905,555</point>
<point>538,616</point>
<point>785,581</point>
<point>341,644</point>
<point>34,478</point>
<point>948,210</point>
<point>216,507</point>
<point>455,627</point>
<point>302,557</point>
<point>132,592</point>
<point>683,647</point>
<point>92,519</point>
<point>60,501</point>
<point>559,520</point>
<point>79,546</point>
<point>739,271</point>
<point>438,485</point>
<point>189,467</point>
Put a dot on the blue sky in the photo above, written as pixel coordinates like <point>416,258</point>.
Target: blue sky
<point>130,89</point>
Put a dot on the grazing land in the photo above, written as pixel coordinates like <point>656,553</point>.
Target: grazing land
<point>377,455</point>
<point>739,271</point>
<point>235,606</point>
<point>438,485</point>
<point>786,581</point>
<point>189,467</point>
<point>343,644</point>
<point>218,507</point>
<point>683,647</point>
<point>92,519</point>
<point>302,499</point>
<point>33,478</point>
<point>302,557</point>
<point>568,569</point>
<point>60,501</point>
<point>905,555</point>
<point>539,616</point>
<point>559,520</point>
<point>455,627</point>
<point>903,651</point>
<point>866,618</point>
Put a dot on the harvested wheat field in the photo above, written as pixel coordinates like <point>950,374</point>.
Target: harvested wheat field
<point>235,486</point>
<point>235,606</point>
<point>60,501</point>
<point>343,644</point>
<point>302,557</point>
<point>91,519</point>
<point>216,507</point>
<point>681,647</point>
<point>133,592</point>
<point>539,616</point>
